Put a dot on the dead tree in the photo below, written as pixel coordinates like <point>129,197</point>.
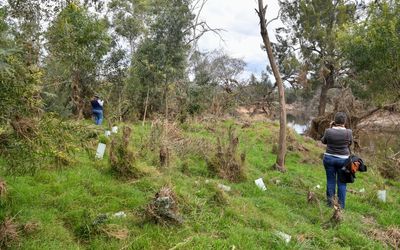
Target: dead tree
<point>280,161</point>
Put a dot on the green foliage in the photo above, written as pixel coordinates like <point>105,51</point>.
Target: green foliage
<point>19,82</point>
<point>128,19</point>
<point>312,26</point>
<point>123,160</point>
<point>50,143</point>
<point>160,59</point>
<point>77,43</point>
<point>372,49</point>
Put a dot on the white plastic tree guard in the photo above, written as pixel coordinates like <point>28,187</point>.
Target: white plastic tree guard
<point>101,148</point>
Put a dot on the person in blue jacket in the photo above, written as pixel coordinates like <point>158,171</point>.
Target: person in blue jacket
<point>97,109</point>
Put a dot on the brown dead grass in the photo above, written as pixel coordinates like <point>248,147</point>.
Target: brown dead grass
<point>337,216</point>
<point>115,231</point>
<point>3,189</point>
<point>164,155</point>
<point>390,237</point>
<point>390,169</point>
<point>9,233</point>
<point>31,227</point>
<point>24,127</point>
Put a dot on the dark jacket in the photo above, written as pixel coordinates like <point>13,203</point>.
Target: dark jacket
<point>96,105</point>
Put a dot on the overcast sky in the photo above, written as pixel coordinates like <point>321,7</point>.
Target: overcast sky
<point>242,31</point>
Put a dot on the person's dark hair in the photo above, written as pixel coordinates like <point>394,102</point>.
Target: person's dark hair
<point>340,118</point>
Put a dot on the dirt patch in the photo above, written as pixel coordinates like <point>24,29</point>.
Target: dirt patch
<point>254,113</point>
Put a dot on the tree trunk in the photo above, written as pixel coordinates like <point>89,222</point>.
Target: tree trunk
<point>323,100</point>
<point>280,160</point>
<point>145,106</point>
<point>166,99</point>
<point>329,82</point>
<point>76,97</point>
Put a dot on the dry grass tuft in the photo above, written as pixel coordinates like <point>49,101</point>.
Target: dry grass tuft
<point>9,233</point>
<point>337,216</point>
<point>30,227</point>
<point>390,169</point>
<point>227,163</point>
<point>390,237</point>
<point>114,231</point>
<point>311,197</point>
<point>3,189</point>
<point>24,127</point>
<point>164,208</point>
<point>164,155</point>
<point>219,198</point>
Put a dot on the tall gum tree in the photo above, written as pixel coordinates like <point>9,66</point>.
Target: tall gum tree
<point>77,43</point>
<point>161,57</point>
<point>312,27</point>
<point>280,160</point>
<point>372,50</point>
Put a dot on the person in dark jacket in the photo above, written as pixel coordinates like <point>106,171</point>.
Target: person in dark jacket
<point>338,140</point>
<point>97,109</point>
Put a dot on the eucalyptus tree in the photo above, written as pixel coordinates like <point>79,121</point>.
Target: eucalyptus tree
<point>128,20</point>
<point>19,81</point>
<point>311,31</point>
<point>216,78</point>
<point>280,159</point>
<point>77,44</point>
<point>372,49</point>
<point>161,57</point>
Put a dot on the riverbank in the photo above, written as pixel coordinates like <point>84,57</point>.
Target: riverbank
<point>85,206</point>
<point>382,120</point>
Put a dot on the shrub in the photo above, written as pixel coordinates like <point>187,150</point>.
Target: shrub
<point>32,144</point>
<point>122,157</point>
<point>227,163</point>
<point>390,168</point>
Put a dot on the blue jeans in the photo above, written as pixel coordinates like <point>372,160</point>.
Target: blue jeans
<point>98,116</point>
<point>332,165</point>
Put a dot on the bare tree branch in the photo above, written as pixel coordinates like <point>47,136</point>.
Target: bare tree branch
<point>276,18</point>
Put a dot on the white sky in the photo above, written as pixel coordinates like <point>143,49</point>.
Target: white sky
<point>242,37</point>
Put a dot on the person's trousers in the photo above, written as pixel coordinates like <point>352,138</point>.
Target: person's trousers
<point>98,116</point>
<point>332,165</point>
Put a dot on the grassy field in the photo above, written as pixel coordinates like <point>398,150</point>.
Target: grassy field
<point>64,203</point>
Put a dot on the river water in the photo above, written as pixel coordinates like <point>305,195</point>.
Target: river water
<point>369,141</point>
<point>300,123</point>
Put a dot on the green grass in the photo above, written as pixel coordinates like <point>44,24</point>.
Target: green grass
<point>64,201</point>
